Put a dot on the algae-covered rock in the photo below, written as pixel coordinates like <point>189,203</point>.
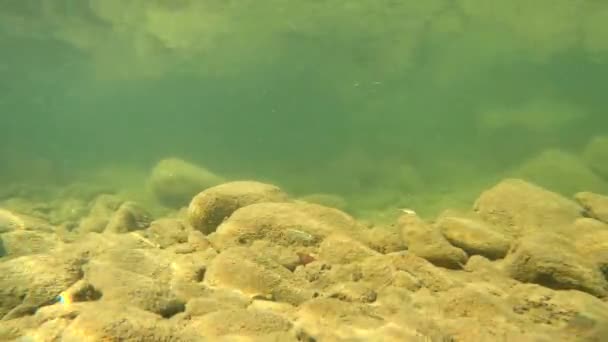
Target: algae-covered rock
<point>29,282</point>
<point>520,207</point>
<point>596,155</point>
<point>209,208</point>
<point>595,205</point>
<point>286,224</point>
<point>256,276</point>
<point>129,217</point>
<point>174,181</point>
<point>551,260</point>
<point>427,242</point>
<point>341,249</point>
<point>474,237</point>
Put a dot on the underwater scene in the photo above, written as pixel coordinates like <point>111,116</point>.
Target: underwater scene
<point>282,170</point>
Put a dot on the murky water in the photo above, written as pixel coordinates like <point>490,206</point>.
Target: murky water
<point>386,103</point>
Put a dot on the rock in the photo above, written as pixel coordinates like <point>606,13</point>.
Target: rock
<point>427,242</point>
<point>540,305</point>
<point>167,232</point>
<point>352,292</point>
<point>255,276</point>
<point>475,300</point>
<point>174,181</point>
<point>560,171</point>
<point>285,256</point>
<point>474,237</point>
<point>551,260</point>
<point>383,239</point>
<point>10,221</point>
<point>341,249</point>
<point>25,242</point>
<point>119,322</point>
<point>285,224</point>
<point>238,322</point>
<point>209,208</point>
<point>596,155</point>
<point>99,215</point>
<point>521,207</point>
<point>326,318</point>
<point>217,301</point>
<point>129,217</point>
<point>29,282</point>
<point>595,205</point>
<point>590,238</point>
<point>138,278</point>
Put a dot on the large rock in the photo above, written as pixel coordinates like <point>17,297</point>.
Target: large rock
<point>25,242</point>
<point>174,181</point>
<point>239,324</point>
<point>596,155</point>
<point>474,237</point>
<point>29,282</point>
<point>595,205</point>
<point>341,249</point>
<point>427,242</point>
<point>551,260</point>
<point>256,276</point>
<point>139,278</point>
<point>100,212</point>
<point>590,238</point>
<point>209,208</point>
<point>521,207</point>
<point>286,224</point>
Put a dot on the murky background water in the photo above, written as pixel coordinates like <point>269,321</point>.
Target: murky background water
<point>387,103</point>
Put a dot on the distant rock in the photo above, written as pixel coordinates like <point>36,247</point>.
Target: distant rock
<point>561,172</point>
<point>210,207</point>
<point>520,207</point>
<point>100,212</point>
<point>329,200</point>
<point>128,217</point>
<point>595,205</point>
<point>174,181</point>
<point>596,155</point>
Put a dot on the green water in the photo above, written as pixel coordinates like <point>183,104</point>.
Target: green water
<point>387,103</point>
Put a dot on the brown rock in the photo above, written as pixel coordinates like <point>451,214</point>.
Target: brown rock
<point>209,208</point>
<point>520,207</point>
<point>595,205</point>
<point>551,260</point>
<point>474,237</point>
<point>238,322</point>
<point>29,282</point>
<point>286,224</point>
<point>427,242</point>
<point>341,249</point>
<point>129,217</point>
<point>25,242</point>
<point>256,276</point>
